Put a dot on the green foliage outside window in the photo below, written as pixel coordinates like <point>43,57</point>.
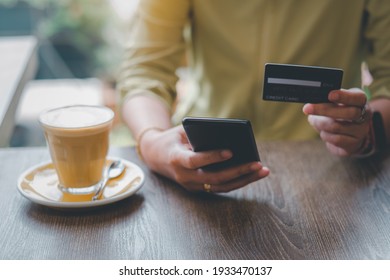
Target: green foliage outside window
<point>85,24</point>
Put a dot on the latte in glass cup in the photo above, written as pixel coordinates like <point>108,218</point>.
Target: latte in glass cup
<point>78,140</point>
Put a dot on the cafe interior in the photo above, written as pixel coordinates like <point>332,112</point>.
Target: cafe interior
<point>313,205</point>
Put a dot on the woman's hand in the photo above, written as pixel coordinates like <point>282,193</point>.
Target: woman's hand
<point>344,124</point>
<point>169,153</point>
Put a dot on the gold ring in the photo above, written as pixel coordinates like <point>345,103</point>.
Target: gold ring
<point>207,187</point>
<point>363,116</point>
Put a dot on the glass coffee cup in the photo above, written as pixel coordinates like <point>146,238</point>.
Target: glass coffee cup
<point>78,141</point>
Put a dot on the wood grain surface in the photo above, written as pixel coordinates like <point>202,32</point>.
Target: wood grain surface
<point>312,206</point>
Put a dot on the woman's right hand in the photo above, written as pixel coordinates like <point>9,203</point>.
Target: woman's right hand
<point>169,153</point>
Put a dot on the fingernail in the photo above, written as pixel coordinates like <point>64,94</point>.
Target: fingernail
<point>255,166</point>
<point>308,109</point>
<point>333,96</point>
<point>264,172</point>
<point>226,154</point>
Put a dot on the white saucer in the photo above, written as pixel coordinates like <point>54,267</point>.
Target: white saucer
<point>40,185</point>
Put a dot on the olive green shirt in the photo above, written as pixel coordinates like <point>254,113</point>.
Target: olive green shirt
<point>228,43</point>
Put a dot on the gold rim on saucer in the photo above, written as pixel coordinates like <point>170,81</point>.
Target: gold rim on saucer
<point>40,185</point>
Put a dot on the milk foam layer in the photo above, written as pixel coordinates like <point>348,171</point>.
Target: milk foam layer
<point>76,116</point>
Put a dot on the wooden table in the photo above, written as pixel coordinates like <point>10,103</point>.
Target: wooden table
<point>18,65</point>
<point>312,206</point>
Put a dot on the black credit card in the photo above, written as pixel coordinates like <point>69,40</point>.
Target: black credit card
<point>298,83</point>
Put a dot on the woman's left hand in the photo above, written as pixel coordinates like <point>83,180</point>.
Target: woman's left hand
<point>343,124</point>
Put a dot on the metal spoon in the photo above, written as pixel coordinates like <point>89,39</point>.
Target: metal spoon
<point>112,171</point>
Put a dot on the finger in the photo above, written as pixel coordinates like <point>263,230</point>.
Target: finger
<point>337,151</point>
<point>334,111</point>
<point>352,97</point>
<point>241,181</point>
<point>347,143</point>
<point>230,174</point>
<point>199,176</point>
<point>320,123</point>
<point>194,160</point>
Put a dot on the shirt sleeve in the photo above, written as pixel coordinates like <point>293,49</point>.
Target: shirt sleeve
<point>154,50</point>
<point>377,34</point>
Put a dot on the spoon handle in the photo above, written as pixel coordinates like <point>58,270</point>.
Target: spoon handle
<point>102,184</point>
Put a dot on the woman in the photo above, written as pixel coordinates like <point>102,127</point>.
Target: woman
<point>227,45</point>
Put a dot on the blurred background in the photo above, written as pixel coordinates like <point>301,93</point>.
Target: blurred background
<point>79,47</point>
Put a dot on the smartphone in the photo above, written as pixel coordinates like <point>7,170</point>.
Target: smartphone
<point>236,135</point>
